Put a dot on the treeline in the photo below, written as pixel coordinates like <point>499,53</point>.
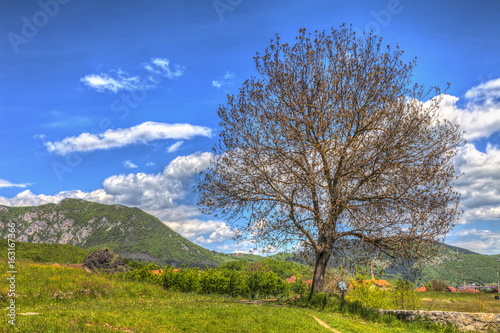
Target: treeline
<point>234,279</point>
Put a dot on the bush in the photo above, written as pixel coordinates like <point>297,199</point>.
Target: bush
<point>369,295</point>
<point>403,297</point>
<point>438,285</point>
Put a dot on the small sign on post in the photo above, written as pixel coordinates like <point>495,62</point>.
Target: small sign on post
<point>342,288</point>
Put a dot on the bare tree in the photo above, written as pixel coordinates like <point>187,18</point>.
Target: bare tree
<point>334,143</point>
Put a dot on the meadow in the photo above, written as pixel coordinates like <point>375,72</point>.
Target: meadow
<point>64,299</point>
<point>460,302</point>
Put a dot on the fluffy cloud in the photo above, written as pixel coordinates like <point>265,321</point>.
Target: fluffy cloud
<point>481,116</point>
<point>6,183</point>
<point>155,70</point>
<point>195,228</point>
<point>142,133</point>
<point>485,93</point>
<point>152,192</point>
<point>27,198</point>
<point>480,184</point>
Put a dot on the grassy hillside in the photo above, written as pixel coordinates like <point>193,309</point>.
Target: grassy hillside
<point>62,299</point>
<point>223,257</point>
<point>454,267</point>
<point>47,253</point>
<point>127,231</point>
<point>496,257</point>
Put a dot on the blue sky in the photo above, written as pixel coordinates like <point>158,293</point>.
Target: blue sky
<point>116,102</point>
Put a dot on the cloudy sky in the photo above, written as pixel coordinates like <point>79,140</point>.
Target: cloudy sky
<point>116,101</point>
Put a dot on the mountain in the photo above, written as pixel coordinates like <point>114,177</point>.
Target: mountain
<point>454,265</point>
<point>127,231</point>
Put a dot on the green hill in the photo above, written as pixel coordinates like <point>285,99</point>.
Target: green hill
<point>127,231</point>
<point>46,253</point>
<point>456,266</point>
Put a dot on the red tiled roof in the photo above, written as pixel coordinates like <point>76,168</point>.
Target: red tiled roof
<point>160,271</point>
<point>382,283</point>
<point>379,283</point>
<point>422,288</point>
<point>157,271</point>
<point>451,289</point>
<point>468,290</point>
<point>291,279</point>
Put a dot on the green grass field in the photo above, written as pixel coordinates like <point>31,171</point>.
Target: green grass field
<point>460,302</point>
<point>72,300</point>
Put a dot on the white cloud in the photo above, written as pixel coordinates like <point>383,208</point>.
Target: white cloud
<point>481,116</point>
<point>6,183</point>
<point>142,133</point>
<point>481,241</point>
<point>219,83</point>
<point>102,82</point>
<point>480,185</point>
<point>486,93</point>
<point>184,167</point>
<point>156,193</point>
<point>162,67</point>
<point>150,164</point>
<point>115,81</point>
<point>174,147</point>
<point>242,247</point>
<point>27,198</point>
<point>195,228</point>
<point>129,164</point>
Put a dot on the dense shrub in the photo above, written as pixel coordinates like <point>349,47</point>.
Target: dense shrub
<point>438,285</point>
<point>403,297</point>
<point>368,294</point>
<point>215,281</point>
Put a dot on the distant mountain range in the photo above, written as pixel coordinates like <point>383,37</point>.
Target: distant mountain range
<point>130,232</point>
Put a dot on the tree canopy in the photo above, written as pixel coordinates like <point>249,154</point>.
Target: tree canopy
<point>333,142</point>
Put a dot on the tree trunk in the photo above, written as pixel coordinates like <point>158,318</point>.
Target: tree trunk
<point>320,270</point>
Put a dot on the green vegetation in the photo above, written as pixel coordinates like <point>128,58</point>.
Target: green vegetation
<point>63,299</point>
<point>460,302</point>
<point>248,282</point>
<point>50,253</point>
<point>437,285</point>
<point>370,295</point>
<point>127,231</point>
<point>141,237</point>
<point>454,267</point>
<point>284,269</point>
